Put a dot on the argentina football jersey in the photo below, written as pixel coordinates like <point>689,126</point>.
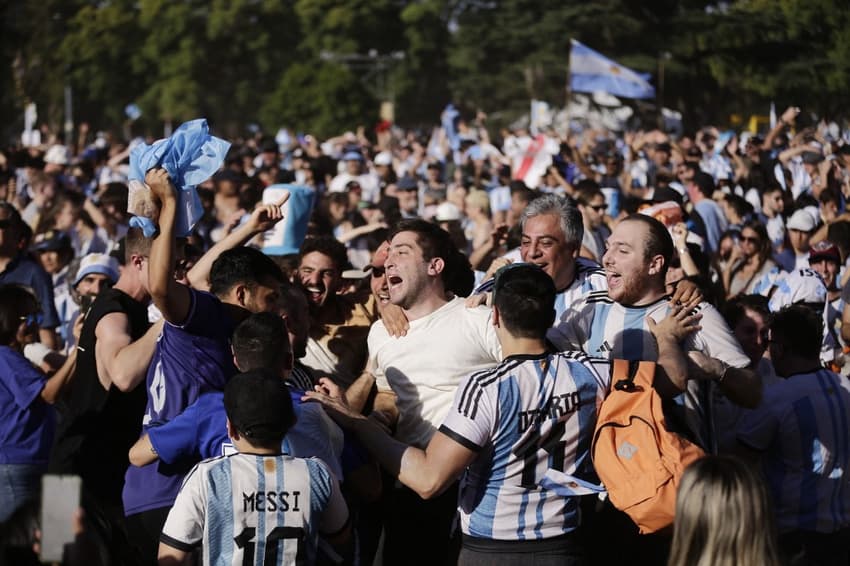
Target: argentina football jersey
<point>530,414</point>
<point>601,327</point>
<point>250,509</point>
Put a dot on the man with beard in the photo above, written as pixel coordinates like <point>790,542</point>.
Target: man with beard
<point>336,346</point>
<point>614,324</point>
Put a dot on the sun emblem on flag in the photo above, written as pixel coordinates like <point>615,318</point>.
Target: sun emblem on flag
<point>614,70</point>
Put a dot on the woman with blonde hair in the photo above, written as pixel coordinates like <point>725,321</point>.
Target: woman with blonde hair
<point>722,517</point>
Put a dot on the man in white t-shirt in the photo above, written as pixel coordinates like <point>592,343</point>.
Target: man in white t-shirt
<point>417,375</point>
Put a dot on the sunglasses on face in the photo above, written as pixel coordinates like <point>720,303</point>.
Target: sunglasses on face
<point>750,239</point>
<point>599,207</point>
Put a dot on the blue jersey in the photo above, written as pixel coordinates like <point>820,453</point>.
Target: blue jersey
<point>27,423</point>
<point>189,359</point>
<point>200,432</point>
<point>251,509</point>
<point>527,417</point>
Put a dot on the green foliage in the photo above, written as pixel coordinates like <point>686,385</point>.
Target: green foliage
<point>321,98</point>
<point>324,65</point>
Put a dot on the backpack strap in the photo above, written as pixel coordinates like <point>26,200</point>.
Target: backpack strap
<point>624,373</point>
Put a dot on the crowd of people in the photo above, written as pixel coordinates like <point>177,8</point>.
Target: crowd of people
<point>405,387</point>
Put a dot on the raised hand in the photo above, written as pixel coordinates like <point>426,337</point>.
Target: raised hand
<point>679,323</point>
<point>160,184</point>
<point>265,216</point>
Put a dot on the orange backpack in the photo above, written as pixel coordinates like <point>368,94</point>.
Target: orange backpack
<point>636,457</point>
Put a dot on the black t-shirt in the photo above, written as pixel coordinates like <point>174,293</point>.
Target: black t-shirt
<point>96,427</point>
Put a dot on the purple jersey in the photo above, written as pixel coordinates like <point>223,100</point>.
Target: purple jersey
<point>189,360</point>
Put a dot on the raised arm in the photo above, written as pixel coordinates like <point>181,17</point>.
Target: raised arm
<point>170,297</point>
<point>263,218</point>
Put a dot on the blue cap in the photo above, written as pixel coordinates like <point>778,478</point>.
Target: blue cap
<point>352,156</point>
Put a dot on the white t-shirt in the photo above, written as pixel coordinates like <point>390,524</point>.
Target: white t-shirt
<point>425,367</point>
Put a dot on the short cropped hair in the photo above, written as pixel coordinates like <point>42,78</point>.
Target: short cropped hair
<point>261,341</point>
<point>658,239</point>
<point>525,297</point>
<point>16,301</point>
<point>242,265</point>
<point>799,329</point>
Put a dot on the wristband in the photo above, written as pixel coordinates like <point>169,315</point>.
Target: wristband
<point>682,250</point>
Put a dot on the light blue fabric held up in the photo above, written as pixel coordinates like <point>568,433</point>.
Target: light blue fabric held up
<point>191,156</point>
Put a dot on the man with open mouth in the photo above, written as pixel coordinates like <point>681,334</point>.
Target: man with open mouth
<point>338,325</point>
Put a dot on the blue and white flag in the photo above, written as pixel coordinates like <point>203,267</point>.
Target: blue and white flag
<point>287,235</point>
<point>591,71</point>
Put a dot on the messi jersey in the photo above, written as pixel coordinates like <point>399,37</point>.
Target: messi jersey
<point>524,417</point>
<point>251,509</point>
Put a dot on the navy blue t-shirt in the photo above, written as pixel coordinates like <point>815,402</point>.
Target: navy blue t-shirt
<point>189,360</point>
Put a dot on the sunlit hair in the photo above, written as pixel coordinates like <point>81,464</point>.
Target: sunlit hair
<point>566,211</point>
<point>722,517</point>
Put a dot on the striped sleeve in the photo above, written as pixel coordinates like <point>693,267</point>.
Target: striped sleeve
<point>470,420</point>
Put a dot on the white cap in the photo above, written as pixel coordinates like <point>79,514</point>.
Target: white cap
<point>58,155</point>
<point>799,286</point>
<point>801,220</point>
<point>383,158</point>
<point>447,212</point>
<point>97,263</point>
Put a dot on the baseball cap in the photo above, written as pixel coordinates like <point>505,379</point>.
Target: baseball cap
<point>58,155</point>
<point>800,286</point>
<point>446,212</point>
<point>51,240</point>
<point>258,405</point>
<point>97,263</point>
<point>802,221</point>
<point>382,159</point>
<point>352,156</point>
<point>824,250</point>
<point>407,183</point>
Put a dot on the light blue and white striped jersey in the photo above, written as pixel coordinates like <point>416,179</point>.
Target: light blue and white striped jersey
<point>252,509</point>
<point>802,427</point>
<point>601,327</point>
<point>589,277</point>
<point>528,415</point>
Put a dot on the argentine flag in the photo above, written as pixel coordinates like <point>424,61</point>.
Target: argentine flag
<point>591,72</point>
